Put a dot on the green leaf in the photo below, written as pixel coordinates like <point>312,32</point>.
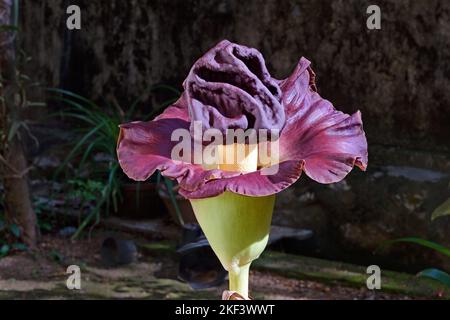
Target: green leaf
<point>104,199</point>
<point>36,104</point>
<point>76,148</point>
<point>6,27</point>
<point>45,226</point>
<point>15,230</point>
<point>442,210</point>
<point>87,152</point>
<point>73,95</point>
<point>166,87</point>
<point>19,246</point>
<point>13,129</point>
<point>56,256</point>
<point>173,199</point>
<point>15,11</point>
<point>437,275</point>
<point>4,250</point>
<point>422,242</point>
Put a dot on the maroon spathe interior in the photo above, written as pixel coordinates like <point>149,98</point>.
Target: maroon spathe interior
<point>230,88</point>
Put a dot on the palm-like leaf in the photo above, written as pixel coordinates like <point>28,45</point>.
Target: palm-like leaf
<point>99,130</point>
<point>437,275</point>
<point>425,243</point>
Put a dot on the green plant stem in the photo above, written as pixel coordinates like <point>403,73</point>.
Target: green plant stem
<point>238,280</point>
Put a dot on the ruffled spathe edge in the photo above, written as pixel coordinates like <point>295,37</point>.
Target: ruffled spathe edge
<point>317,139</point>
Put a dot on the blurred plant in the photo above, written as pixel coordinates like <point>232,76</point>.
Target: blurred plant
<point>9,234</point>
<point>442,210</point>
<point>13,233</point>
<point>432,273</point>
<point>170,187</point>
<point>95,150</point>
<point>87,191</point>
<point>56,256</point>
<point>41,206</point>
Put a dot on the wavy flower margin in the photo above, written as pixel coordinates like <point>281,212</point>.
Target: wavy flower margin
<point>324,143</point>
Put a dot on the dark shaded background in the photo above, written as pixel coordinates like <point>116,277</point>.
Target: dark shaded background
<point>397,76</point>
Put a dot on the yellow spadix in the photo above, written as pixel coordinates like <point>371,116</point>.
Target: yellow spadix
<point>236,226</point>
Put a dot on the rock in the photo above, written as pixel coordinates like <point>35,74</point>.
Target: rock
<point>357,215</point>
<point>279,233</point>
<point>67,232</point>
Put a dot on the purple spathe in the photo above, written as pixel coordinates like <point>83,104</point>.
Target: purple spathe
<point>236,91</point>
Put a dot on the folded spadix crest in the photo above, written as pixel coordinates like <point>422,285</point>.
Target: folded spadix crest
<point>230,88</point>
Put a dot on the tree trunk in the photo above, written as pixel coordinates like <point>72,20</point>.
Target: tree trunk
<point>13,164</point>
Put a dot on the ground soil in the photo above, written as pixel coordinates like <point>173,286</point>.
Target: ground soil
<point>25,272</point>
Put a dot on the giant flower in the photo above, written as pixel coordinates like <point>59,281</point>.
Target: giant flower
<point>230,88</point>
